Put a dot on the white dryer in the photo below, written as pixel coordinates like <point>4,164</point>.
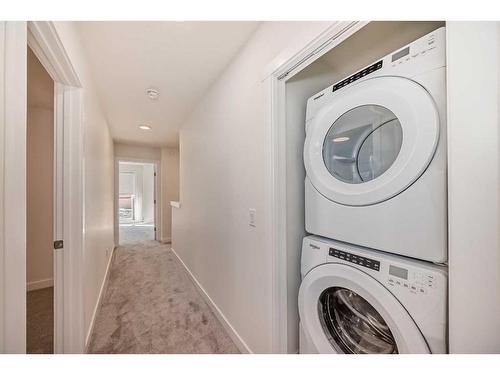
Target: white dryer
<point>355,300</point>
<point>375,154</point>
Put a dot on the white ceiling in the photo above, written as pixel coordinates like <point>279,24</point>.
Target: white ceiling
<point>181,59</point>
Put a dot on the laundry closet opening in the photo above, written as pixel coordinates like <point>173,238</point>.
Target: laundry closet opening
<point>137,202</point>
<point>370,43</point>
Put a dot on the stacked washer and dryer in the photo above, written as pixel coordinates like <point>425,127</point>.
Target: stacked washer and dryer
<point>373,271</point>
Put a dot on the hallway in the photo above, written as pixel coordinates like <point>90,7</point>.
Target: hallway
<point>133,233</point>
<point>151,306</point>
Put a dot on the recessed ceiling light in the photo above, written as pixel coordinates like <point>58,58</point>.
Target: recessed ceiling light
<point>152,93</point>
<point>340,139</point>
<point>145,127</point>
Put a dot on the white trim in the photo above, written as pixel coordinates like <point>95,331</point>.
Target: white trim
<point>13,187</point>
<point>238,341</point>
<point>98,304</point>
<point>292,60</point>
<point>48,48</point>
<point>68,187</point>
<point>71,271</point>
<point>39,284</point>
<point>69,182</point>
<point>276,75</point>
<point>157,197</point>
<point>166,240</point>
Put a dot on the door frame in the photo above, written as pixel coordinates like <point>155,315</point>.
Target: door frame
<point>157,196</point>
<point>274,80</point>
<point>13,98</point>
<point>42,37</point>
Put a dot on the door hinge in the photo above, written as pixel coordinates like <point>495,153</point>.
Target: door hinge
<point>154,201</point>
<point>155,229</point>
<point>154,174</point>
<point>59,244</point>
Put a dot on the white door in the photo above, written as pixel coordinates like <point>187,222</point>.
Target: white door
<point>345,310</point>
<point>371,141</point>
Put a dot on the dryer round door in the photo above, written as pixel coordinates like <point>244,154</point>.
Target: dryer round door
<point>344,310</point>
<point>372,141</point>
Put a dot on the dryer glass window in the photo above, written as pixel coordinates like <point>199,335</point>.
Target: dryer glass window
<point>353,325</point>
<point>362,144</point>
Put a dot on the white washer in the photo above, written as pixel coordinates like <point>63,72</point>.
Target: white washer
<point>375,154</point>
<point>354,300</point>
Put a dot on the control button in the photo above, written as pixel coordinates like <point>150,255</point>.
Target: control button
<point>398,282</point>
<point>413,288</point>
<point>422,290</point>
<point>406,285</point>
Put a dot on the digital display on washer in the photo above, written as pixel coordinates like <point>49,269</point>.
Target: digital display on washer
<point>398,272</point>
<point>402,53</point>
<point>353,258</point>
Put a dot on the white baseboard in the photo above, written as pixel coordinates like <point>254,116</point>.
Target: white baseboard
<point>99,299</point>
<point>239,342</point>
<point>166,240</point>
<point>40,284</point>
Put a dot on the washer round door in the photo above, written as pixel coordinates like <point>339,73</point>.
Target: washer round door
<point>372,141</point>
<point>345,310</point>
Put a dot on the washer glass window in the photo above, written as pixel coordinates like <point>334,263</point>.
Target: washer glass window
<point>353,325</point>
<point>362,144</point>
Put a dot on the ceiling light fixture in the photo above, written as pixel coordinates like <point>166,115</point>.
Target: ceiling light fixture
<point>152,93</point>
<point>145,127</point>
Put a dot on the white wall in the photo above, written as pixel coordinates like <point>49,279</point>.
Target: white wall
<point>99,176</point>
<point>135,152</point>
<point>473,181</point>
<point>148,209</point>
<point>223,173</point>
<point>169,188</point>
<point>39,179</point>
<point>39,176</point>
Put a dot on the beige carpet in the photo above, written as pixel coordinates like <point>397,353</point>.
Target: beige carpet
<point>40,321</point>
<point>130,234</point>
<point>151,306</point>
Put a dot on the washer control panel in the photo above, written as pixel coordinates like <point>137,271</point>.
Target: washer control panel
<point>415,282</point>
<point>356,259</point>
